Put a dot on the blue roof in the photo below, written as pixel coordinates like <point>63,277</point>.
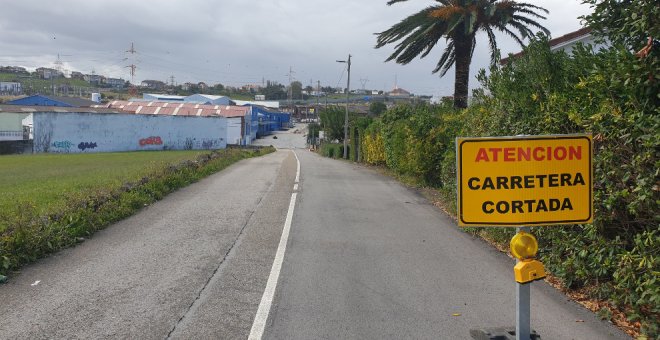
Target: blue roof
<point>43,100</point>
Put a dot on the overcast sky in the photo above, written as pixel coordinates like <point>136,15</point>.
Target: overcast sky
<point>236,42</point>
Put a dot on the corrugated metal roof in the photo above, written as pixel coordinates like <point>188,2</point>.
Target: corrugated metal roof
<point>4,108</point>
<point>178,109</point>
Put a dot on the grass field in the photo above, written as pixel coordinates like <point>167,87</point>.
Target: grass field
<point>49,202</point>
<point>46,179</point>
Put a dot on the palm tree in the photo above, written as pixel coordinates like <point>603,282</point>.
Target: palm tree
<point>458,21</point>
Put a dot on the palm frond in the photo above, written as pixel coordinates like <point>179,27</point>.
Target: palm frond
<point>458,21</point>
<point>404,28</point>
<point>530,22</point>
<point>391,2</point>
<point>446,60</point>
<point>492,44</point>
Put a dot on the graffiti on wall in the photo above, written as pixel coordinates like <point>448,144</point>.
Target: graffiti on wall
<point>210,144</point>
<point>204,143</point>
<point>87,145</point>
<point>64,145</point>
<point>153,140</point>
<point>82,133</point>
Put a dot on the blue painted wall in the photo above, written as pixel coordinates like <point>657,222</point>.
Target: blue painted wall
<point>269,120</point>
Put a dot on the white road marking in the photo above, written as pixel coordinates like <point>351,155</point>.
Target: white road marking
<point>259,324</point>
<point>298,169</point>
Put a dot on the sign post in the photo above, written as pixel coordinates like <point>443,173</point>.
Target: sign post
<point>523,302</point>
<point>519,182</point>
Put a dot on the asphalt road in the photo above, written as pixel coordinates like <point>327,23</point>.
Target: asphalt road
<point>366,258</point>
<point>190,266</point>
<point>370,259</point>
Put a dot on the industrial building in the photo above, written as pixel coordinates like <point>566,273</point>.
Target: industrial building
<point>43,100</point>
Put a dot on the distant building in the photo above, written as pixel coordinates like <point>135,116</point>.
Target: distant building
<point>10,88</point>
<point>13,69</point>
<point>94,79</point>
<point>273,104</point>
<point>117,83</point>
<point>153,84</point>
<point>152,97</point>
<point>42,100</point>
<point>77,75</point>
<point>399,93</point>
<point>208,99</point>
<point>252,87</point>
<point>48,73</point>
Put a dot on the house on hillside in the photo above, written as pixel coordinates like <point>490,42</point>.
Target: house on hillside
<point>116,83</point>
<point>153,84</point>
<point>43,100</point>
<point>77,75</point>
<point>48,73</point>
<point>568,42</point>
<point>94,79</point>
<point>13,69</point>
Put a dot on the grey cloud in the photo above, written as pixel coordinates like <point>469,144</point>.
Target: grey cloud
<point>234,41</point>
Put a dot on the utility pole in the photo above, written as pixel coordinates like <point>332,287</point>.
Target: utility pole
<point>348,91</point>
<point>318,96</point>
<point>364,83</point>
<point>291,91</point>
<point>132,91</point>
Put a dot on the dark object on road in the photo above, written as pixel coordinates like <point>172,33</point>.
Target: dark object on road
<point>274,137</point>
<point>501,333</point>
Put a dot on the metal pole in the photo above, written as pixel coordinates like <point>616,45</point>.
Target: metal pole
<point>523,329</point>
<point>348,91</point>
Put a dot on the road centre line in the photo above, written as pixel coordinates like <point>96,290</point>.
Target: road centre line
<point>298,167</point>
<point>259,324</point>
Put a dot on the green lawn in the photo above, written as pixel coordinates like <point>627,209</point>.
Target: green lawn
<point>46,179</point>
<point>49,202</point>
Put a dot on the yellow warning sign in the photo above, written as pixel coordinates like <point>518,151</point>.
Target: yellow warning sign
<point>529,180</point>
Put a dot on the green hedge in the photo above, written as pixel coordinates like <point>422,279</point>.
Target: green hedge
<point>332,150</point>
<point>613,95</point>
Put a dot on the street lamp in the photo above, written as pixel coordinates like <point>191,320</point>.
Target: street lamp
<point>348,91</point>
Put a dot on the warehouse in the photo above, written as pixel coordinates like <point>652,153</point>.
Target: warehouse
<point>240,130</point>
<point>43,100</point>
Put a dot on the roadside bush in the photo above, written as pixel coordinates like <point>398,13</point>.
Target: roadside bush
<point>612,94</point>
<point>373,147</point>
<point>332,150</point>
<point>29,235</point>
